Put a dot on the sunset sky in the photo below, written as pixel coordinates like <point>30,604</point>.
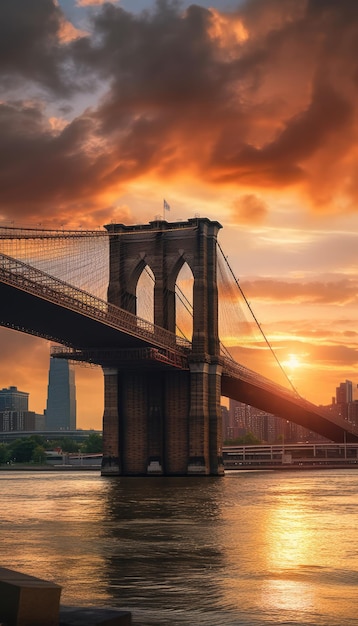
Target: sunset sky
<point>242,112</point>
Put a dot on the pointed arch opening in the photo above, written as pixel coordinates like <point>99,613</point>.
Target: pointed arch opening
<point>145,295</point>
<point>184,302</point>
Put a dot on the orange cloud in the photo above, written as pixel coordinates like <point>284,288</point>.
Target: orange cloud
<point>342,292</point>
<point>250,209</point>
<point>278,109</point>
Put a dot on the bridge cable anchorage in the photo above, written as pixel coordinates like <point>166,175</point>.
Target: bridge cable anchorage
<point>257,322</point>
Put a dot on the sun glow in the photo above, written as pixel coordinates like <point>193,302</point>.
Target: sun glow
<point>293,362</point>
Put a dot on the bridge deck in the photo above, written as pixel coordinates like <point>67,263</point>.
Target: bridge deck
<point>39,304</point>
<point>36,303</point>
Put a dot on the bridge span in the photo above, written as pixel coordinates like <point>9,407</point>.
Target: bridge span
<point>162,393</point>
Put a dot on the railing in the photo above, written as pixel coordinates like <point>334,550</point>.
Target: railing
<point>23,232</point>
<point>10,232</point>
<point>291,456</point>
<point>34,281</point>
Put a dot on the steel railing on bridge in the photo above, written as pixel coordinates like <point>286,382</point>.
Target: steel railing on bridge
<point>27,278</point>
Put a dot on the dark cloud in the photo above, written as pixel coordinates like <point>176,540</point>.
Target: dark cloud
<point>264,96</point>
<point>38,166</point>
<point>279,162</point>
<point>30,46</point>
<point>162,58</point>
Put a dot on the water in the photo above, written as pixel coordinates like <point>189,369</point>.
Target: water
<point>252,548</point>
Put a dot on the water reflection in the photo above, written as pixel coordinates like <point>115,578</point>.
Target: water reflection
<point>51,528</point>
<point>299,553</point>
<point>252,549</point>
<point>164,538</point>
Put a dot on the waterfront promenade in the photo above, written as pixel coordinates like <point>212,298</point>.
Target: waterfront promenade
<point>291,456</point>
<point>295,456</point>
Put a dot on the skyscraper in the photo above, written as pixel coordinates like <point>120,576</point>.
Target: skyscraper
<point>14,411</point>
<point>12,399</point>
<point>61,396</point>
<point>344,393</point>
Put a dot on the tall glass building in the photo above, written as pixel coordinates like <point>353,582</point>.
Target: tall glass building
<point>61,396</point>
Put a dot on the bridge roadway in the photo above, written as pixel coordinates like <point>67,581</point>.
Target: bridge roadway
<point>94,331</point>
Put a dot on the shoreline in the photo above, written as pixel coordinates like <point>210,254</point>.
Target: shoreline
<point>49,468</point>
<point>228,470</point>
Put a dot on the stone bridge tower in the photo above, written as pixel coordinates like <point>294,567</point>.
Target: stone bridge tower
<point>165,422</point>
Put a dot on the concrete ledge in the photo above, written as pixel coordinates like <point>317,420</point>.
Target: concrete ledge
<point>81,616</point>
<point>28,601</point>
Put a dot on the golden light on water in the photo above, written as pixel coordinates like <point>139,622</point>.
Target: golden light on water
<point>285,549</point>
<point>288,595</point>
<point>289,540</point>
<point>290,549</point>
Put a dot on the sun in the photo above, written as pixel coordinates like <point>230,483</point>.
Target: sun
<point>293,362</point>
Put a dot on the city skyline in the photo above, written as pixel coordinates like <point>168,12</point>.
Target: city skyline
<point>244,113</point>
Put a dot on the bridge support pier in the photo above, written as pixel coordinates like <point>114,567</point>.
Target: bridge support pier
<point>161,420</point>
<point>145,423</point>
<point>215,421</point>
<point>162,423</point>
<point>110,462</point>
<point>205,447</point>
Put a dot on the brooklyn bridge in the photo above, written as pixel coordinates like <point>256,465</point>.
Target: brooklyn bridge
<point>162,384</point>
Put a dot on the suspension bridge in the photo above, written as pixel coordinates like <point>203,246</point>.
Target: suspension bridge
<point>146,303</point>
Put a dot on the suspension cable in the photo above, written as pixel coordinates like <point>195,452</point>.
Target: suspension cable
<point>257,322</point>
<point>183,299</point>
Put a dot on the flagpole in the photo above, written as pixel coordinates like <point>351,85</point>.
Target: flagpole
<point>166,207</point>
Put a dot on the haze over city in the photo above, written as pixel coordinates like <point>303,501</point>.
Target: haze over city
<point>242,112</point>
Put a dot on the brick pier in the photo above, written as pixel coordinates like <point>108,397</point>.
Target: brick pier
<point>165,421</point>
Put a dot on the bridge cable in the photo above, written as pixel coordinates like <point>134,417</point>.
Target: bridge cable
<point>182,300</point>
<point>257,322</point>
<point>189,308</point>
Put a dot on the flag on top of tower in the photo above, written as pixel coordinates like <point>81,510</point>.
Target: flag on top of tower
<point>166,206</point>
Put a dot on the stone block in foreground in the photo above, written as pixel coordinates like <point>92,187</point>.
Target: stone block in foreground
<point>28,601</point>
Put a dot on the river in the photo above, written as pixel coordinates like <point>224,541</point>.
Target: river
<point>248,549</point>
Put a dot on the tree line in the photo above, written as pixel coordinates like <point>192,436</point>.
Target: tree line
<point>246,440</point>
<point>33,449</point>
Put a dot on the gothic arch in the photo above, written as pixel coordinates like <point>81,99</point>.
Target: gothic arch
<point>165,247</point>
<point>184,292</point>
<point>145,294</point>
